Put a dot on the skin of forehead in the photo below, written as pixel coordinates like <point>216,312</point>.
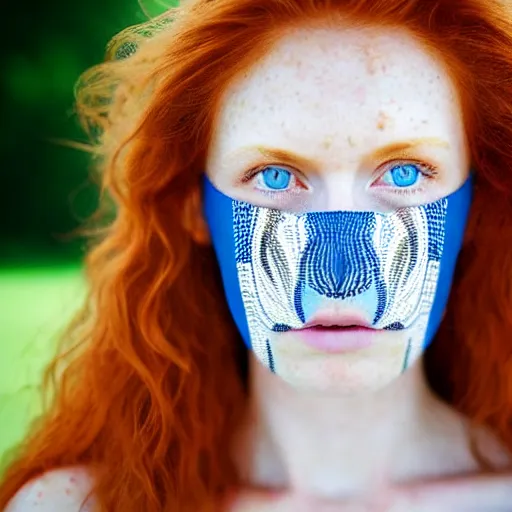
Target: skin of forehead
<point>377,74</point>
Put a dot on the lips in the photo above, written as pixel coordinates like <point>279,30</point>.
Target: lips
<point>334,320</point>
<point>333,332</point>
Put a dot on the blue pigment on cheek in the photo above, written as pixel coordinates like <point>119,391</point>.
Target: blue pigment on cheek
<point>280,268</point>
<point>270,357</point>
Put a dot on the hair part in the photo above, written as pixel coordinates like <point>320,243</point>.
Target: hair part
<point>149,387</point>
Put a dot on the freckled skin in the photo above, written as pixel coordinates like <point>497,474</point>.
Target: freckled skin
<point>328,142</point>
<point>383,120</point>
<point>373,60</point>
<point>351,142</point>
<point>56,491</point>
<point>334,96</point>
<point>315,84</point>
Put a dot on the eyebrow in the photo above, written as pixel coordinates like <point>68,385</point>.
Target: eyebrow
<point>387,151</point>
<point>288,157</point>
<point>401,147</point>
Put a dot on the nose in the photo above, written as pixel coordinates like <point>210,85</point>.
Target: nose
<point>340,191</point>
<point>339,260</point>
<point>336,261</point>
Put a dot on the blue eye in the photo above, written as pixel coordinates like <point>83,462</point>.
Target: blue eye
<point>276,178</point>
<point>402,176</point>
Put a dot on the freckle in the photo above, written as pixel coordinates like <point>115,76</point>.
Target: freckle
<point>382,120</point>
<point>68,491</point>
<point>372,59</point>
<point>327,142</point>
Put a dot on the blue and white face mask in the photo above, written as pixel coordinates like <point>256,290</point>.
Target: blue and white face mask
<point>279,268</point>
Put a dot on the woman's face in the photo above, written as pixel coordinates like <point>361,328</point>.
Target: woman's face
<point>340,119</point>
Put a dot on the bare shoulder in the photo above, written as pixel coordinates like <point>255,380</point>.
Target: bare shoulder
<point>60,490</point>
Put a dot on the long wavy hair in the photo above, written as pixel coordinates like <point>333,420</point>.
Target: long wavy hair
<point>149,385</point>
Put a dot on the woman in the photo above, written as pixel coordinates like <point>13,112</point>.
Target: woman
<point>337,156</point>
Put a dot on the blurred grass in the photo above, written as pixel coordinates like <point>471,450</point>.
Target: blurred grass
<point>36,304</point>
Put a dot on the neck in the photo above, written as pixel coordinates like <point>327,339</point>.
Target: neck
<point>333,445</point>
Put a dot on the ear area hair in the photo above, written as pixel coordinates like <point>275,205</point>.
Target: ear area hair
<point>193,217</point>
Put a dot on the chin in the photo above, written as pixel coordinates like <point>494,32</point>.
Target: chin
<point>369,369</point>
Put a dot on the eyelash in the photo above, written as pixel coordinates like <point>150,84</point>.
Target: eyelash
<point>252,173</point>
<point>428,171</point>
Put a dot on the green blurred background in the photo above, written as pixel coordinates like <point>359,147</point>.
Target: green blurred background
<point>45,187</point>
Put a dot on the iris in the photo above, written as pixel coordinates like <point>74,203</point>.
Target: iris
<point>276,178</point>
<point>402,175</point>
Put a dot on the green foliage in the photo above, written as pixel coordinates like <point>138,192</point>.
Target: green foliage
<point>46,186</point>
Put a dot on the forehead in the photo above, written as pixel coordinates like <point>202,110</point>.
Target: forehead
<point>369,84</point>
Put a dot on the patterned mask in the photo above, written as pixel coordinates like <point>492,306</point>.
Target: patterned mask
<point>279,268</point>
